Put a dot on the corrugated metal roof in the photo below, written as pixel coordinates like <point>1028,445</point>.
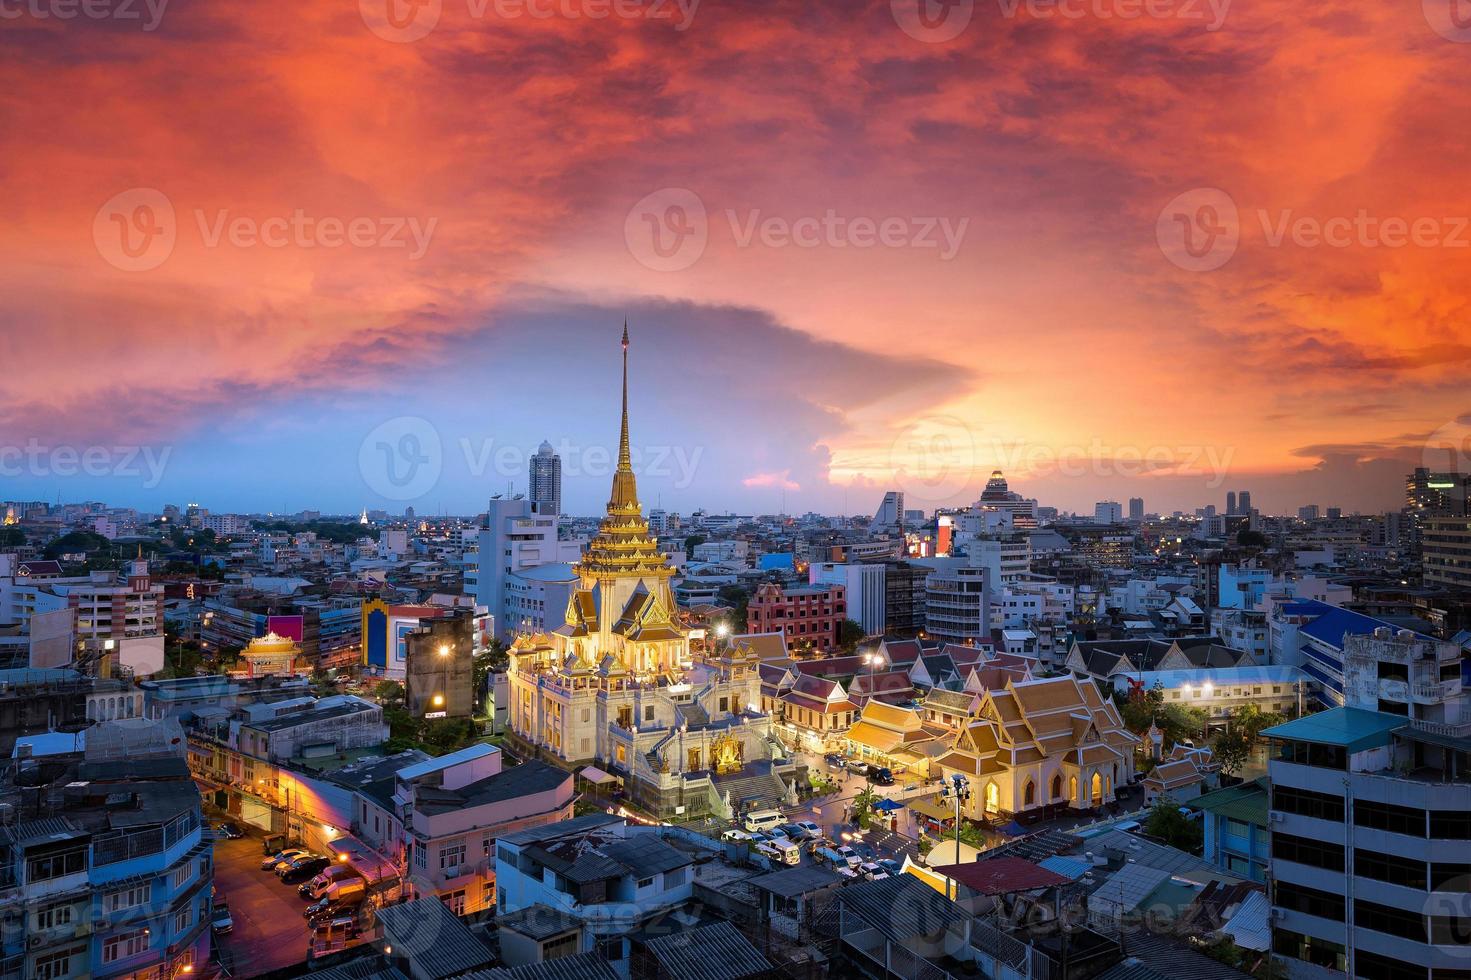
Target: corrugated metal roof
<point>901,908</point>
<point>713,952</point>
<point>584,966</point>
<point>432,937</point>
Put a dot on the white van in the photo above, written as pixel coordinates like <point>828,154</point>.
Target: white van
<point>758,820</point>
<point>340,890</point>
<point>781,850</point>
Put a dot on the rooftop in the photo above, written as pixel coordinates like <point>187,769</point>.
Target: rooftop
<point>1355,729</point>
<point>1246,802</point>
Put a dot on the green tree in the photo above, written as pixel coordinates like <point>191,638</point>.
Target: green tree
<point>1232,746</point>
<point>1167,823</point>
<point>850,634</point>
<point>12,537</point>
<point>863,804</point>
<point>388,693</point>
<point>690,542</point>
<point>1248,538</point>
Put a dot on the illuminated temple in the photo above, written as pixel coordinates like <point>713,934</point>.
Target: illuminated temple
<point>616,687</point>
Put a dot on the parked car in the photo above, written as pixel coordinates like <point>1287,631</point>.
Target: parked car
<point>341,891</point>
<point>220,921</point>
<point>762,820</point>
<point>871,871</point>
<point>807,830</point>
<point>858,767</point>
<point>894,868</point>
<point>834,760</point>
<point>342,926</point>
<point>324,877</point>
<point>305,870</point>
<point>839,857</point>
<point>228,830</point>
<point>283,868</point>
<point>881,776</point>
<point>735,835</point>
<point>331,907</point>
<point>282,857</point>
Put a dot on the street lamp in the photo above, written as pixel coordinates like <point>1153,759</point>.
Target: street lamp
<point>959,788</point>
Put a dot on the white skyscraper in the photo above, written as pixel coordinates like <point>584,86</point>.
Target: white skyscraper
<point>1107,512</point>
<point>545,480</point>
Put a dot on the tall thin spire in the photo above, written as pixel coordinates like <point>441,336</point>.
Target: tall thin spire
<point>624,460</point>
<point>625,488</point>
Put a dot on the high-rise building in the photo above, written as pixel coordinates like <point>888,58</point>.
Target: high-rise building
<point>891,510</point>
<point>958,604</point>
<point>1370,819</point>
<point>1230,503</point>
<point>1243,503</point>
<point>1445,550</point>
<point>1107,512</point>
<point>1308,512</point>
<point>1136,510</point>
<point>517,536</point>
<point>545,480</point>
<point>1427,495</point>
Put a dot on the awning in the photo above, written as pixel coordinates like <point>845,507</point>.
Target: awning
<point>933,809</point>
<point>596,776</point>
<point>888,806</point>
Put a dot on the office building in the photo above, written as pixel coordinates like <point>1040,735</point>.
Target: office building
<point>1445,552</point>
<point>891,510</point>
<point>1107,512</point>
<point>545,481</point>
<point>1371,821</point>
<point>1136,510</point>
<point>1308,513</point>
<point>958,604</point>
<point>518,535</point>
<point>864,586</point>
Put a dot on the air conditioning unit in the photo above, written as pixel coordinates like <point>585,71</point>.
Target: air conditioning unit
<point>1276,914</point>
<point>1276,816</point>
<point>34,941</point>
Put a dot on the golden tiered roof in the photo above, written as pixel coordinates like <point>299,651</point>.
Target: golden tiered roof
<point>623,545</point>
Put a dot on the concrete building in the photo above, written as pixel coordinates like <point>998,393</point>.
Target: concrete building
<point>544,481</point>
<point>811,616</point>
<point>439,673</point>
<point>1107,512</point>
<point>105,872</point>
<point>119,614</point>
<point>891,510</point>
<point>864,587</point>
<point>1445,552</point>
<point>958,604</point>
<point>517,536</point>
<point>1371,823</point>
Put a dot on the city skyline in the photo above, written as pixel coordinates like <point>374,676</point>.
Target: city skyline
<point>860,289</point>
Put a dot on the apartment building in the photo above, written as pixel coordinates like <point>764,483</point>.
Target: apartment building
<point>105,873</point>
<point>120,615</point>
<point>1445,547</point>
<point>1371,822</point>
<point>809,615</point>
<point>958,604</point>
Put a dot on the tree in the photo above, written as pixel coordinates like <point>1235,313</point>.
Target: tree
<point>388,692</point>
<point>1232,746</point>
<point>1248,538</point>
<point>863,804</point>
<point>1168,824</point>
<point>690,542</point>
<point>850,634</point>
<point>12,537</point>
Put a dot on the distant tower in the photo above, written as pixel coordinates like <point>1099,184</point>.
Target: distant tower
<point>1136,510</point>
<point>1243,501</point>
<point>409,513</point>
<point>545,479</point>
<point>891,510</point>
<point>1230,503</point>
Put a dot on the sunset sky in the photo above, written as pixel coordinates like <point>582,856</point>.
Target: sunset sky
<point>1219,246</point>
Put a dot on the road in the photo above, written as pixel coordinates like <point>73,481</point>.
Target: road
<point>269,932</point>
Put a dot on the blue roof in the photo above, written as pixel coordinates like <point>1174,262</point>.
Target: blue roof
<point>775,560</point>
<point>1332,622</point>
<point>1356,729</point>
<point>1066,866</point>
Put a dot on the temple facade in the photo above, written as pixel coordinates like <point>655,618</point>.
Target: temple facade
<point>617,685</point>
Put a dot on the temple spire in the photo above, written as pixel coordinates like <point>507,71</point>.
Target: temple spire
<point>625,488</point>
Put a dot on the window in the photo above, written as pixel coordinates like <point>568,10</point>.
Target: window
<point>1387,816</point>
<point>725,704</point>
<point>485,845</point>
<point>1318,854</point>
<point>611,949</point>
<point>183,919</point>
<point>1308,803</point>
<point>452,856</point>
<point>1450,877</point>
<point>648,712</point>
<point>52,916</point>
<point>555,949</point>
<point>1450,824</point>
<point>675,878</point>
<point>1372,966</point>
<point>1237,828</point>
<point>645,882</point>
<point>1389,867</point>
<point>182,874</point>
<point>57,965</point>
<point>1314,754</point>
<point>1311,901</point>
<point>128,898</point>
<point>44,867</point>
<point>124,945</point>
<point>1309,949</point>
<point>1389,920</point>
